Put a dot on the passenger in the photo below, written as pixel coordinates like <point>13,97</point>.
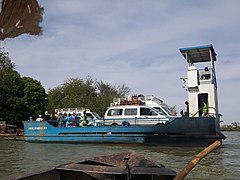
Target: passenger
<point>182,114</point>
<point>56,115</point>
<point>187,111</point>
<point>68,120</point>
<point>39,119</point>
<point>30,118</point>
<point>77,120</point>
<point>84,119</point>
<point>61,120</point>
<point>73,119</point>
<point>53,116</point>
<point>65,115</point>
<point>64,119</point>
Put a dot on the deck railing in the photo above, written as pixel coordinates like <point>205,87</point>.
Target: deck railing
<point>212,114</point>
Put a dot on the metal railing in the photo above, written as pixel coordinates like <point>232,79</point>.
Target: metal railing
<point>214,114</point>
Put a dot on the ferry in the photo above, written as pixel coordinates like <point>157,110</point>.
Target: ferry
<point>199,126</point>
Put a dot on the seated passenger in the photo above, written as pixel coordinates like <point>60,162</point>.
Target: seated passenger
<point>39,119</point>
<point>83,123</point>
<point>68,120</point>
<point>73,119</point>
<point>61,120</point>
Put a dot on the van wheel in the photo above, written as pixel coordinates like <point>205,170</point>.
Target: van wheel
<point>125,123</point>
<point>114,124</point>
<point>159,124</point>
<point>99,124</point>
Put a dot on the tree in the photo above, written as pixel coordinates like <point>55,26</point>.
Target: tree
<point>87,93</point>
<point>235,124</point>
<point>35,97</point>
<point>10,95</point>
<point>73,93</point>
<point>5,61</point>
<point>106,93</point>
<point>20,97</point>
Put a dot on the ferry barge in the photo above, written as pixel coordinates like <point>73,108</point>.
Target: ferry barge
<point>200,126</point>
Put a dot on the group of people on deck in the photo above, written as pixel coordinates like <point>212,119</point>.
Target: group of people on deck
<point>72,120</point>
<point>63,119</point>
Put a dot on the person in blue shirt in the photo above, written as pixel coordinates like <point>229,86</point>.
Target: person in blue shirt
<point>68,120</point>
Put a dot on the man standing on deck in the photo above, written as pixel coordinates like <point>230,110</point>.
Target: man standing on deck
<point>203,109</point>
<point>84,119</point>
<point>187,112</point>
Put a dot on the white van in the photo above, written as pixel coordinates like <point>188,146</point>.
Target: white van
<point>134,115</point>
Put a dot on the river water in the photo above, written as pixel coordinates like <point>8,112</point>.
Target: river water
<point>18,158</point>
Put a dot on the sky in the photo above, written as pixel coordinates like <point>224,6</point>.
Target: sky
<point>133,42</point>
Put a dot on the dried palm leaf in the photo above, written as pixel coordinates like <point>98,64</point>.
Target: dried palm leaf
<point>20,16</point>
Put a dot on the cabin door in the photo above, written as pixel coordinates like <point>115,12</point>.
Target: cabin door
<point>203,97</point>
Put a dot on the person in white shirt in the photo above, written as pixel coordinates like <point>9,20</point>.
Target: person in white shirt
<point>39,119</point>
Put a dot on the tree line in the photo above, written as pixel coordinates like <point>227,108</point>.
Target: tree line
<point>22,97</point>
<point>235,126</point>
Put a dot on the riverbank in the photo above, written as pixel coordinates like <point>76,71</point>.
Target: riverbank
<point>12,136</point>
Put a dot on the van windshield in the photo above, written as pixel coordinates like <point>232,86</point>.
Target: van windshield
<point>160,111</point>
<point>166,108</point>
<point>97,115</point>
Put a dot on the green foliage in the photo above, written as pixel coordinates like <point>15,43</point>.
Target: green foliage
<point>35,97</point>
<point>10,94</point>
<point>88,93</point>
<point>20,97</point>
<point>5,61</point>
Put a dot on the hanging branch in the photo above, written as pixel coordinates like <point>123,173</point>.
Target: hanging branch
<point>20,16</point>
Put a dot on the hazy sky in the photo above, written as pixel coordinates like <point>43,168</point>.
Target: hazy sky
<point>133,42</point>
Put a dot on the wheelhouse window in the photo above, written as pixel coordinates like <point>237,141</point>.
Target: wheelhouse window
<point>130,112</point>
<point>115,112</point>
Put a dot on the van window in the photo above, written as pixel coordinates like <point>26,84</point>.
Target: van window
<point>114,112</point>
<point>130,111</point>
<point>147,112</point>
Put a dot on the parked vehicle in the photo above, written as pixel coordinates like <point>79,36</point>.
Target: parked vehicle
<point>134,115</point>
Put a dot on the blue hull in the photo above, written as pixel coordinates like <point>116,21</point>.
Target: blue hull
<point>180,131</point>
